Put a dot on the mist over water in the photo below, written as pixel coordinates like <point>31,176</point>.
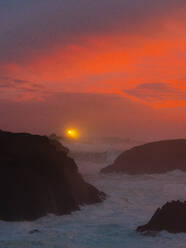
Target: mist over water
<point>131,201</point>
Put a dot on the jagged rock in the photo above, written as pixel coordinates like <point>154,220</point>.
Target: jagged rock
<point>37,177</point>
<point>34,231</point>
<point>171,217</point>
<point>156,157</point>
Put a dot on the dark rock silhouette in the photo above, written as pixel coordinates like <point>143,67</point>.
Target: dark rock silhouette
<point>37,177</point>
<point>34,231</point>
<point>58,145</point>
<point>171,217</point>
<point>156,157</point>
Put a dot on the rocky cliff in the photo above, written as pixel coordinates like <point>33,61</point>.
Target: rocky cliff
<point>156,157</point>
<point>37,177</point>
<point>171,217</point>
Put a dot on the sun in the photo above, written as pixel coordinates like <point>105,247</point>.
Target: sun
<point>72,133</point>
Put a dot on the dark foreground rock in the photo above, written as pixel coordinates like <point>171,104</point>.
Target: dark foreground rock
<point>37,177</point>
<point>34,231</point>
<point>171,217</point>
<point>156,157</point>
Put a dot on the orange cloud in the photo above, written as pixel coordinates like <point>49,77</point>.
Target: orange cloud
<point>112,63</point>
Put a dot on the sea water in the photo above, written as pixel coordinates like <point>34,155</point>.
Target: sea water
<point>131,201</point>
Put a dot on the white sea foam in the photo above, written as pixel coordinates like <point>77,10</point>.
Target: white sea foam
<point>131,202</point>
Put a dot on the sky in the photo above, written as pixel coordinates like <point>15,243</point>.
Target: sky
<point>106,67</point>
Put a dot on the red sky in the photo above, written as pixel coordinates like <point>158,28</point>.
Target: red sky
<point>108,68</point>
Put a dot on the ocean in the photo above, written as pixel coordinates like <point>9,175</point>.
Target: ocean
<point>131,201</point>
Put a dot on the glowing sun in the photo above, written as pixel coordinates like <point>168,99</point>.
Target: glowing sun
<point>72,133</point>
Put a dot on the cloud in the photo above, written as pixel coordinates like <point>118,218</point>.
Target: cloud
<point>157,92</point>
<point>162,87</point>
<point>31,27</point>
<point>20,81</point>
<point>18,89</point>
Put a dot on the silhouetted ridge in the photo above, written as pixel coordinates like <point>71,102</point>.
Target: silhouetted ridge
<point>156,157</point>
<point>171,217</point>
<point>37,177</point>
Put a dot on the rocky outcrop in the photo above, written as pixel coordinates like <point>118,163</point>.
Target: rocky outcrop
<point>171,217</point>
<point>156,157</point>
<point>37,177</point>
